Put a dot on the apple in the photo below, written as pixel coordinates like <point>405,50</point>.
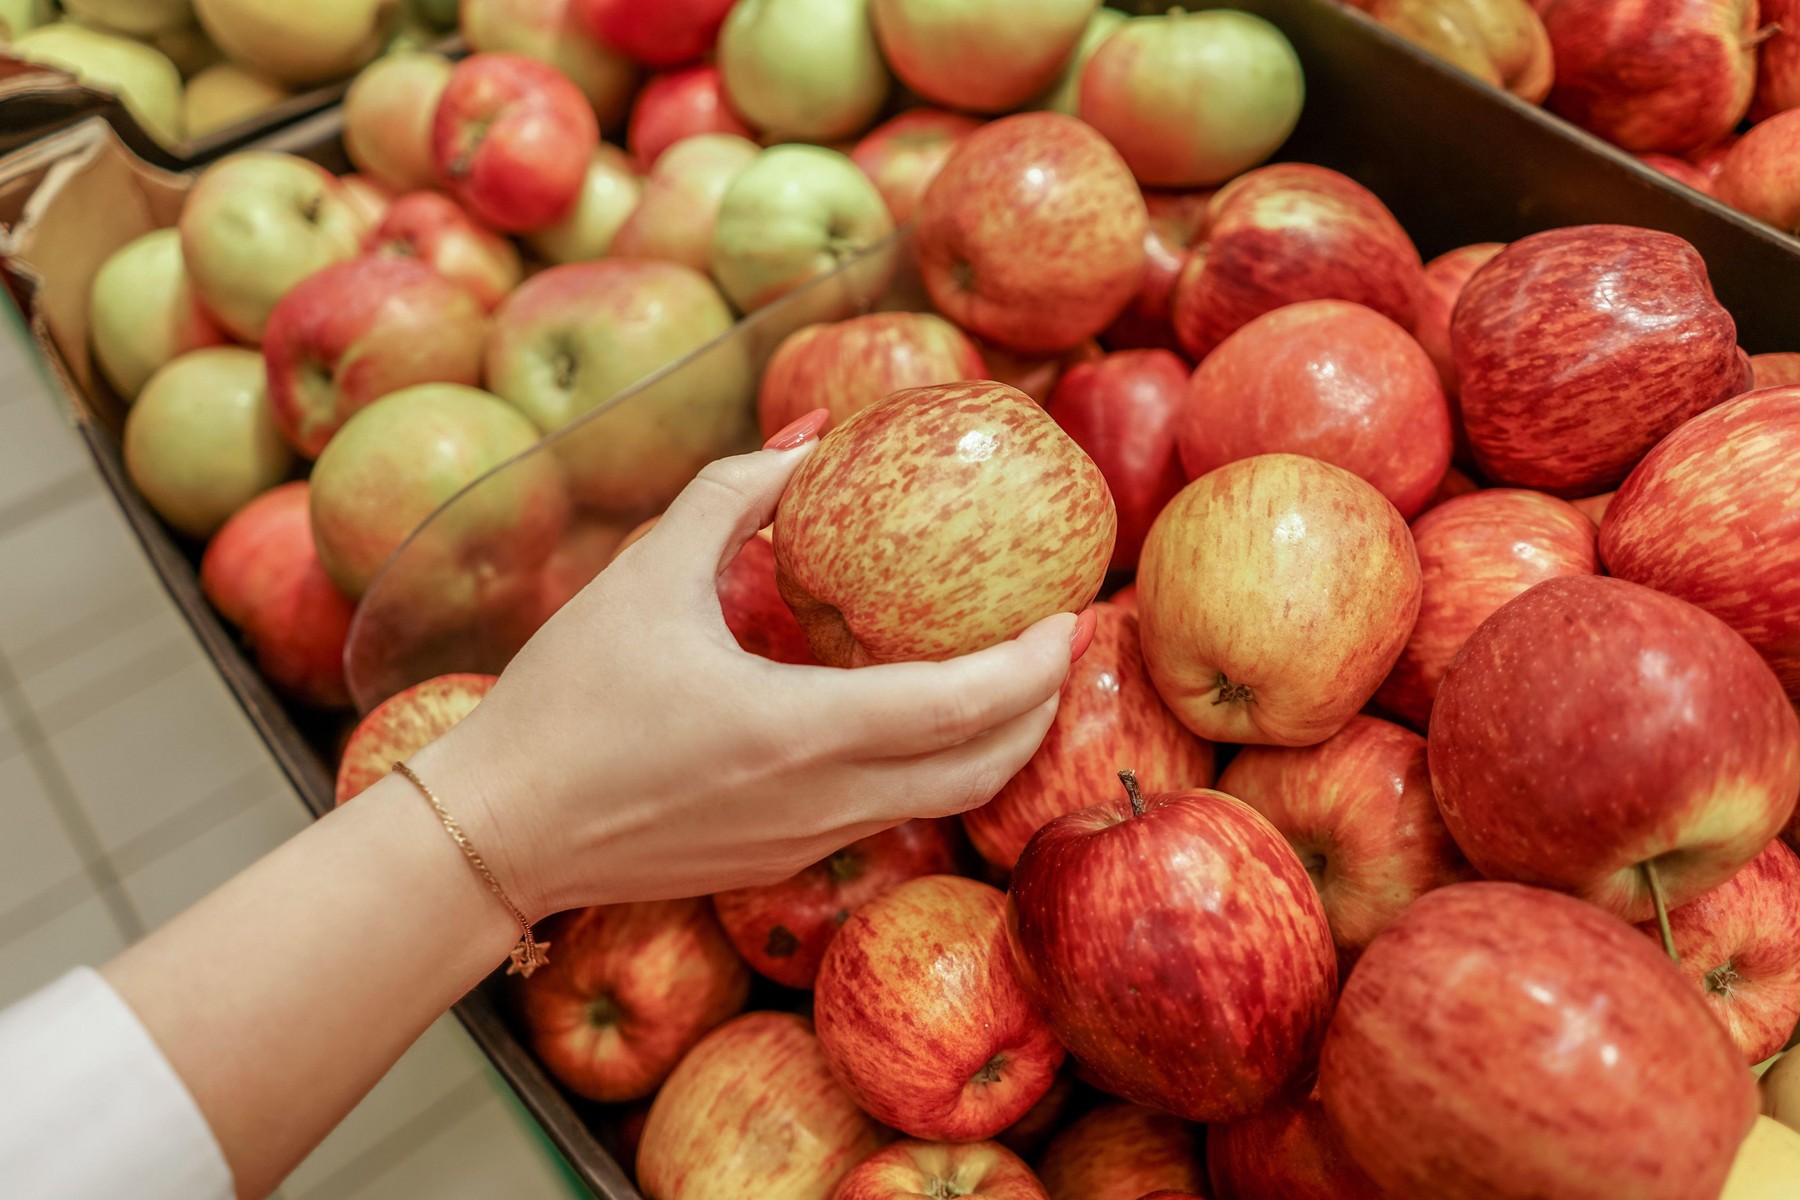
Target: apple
<point>254,225</point>
<point>1594,507</point>
<point>1455,483</point>
<point>986,56</point>
<point>802,70</point>
<point>299,44</point>
<point>753,1110</point>
<point>1037,277</point>
<point>1109,717</point>
<point>903,155</point>
<point>1476,552</point>
<point>1445,277</point>
<point>1120,1151</point>
<point>796,213</point>
<point>142,311</point>
<point>908,1170</point>
<point>368,196</point>
<point>845,366</point>
<point>1276,591</point>
<point>224,95</point>
<point>388,114</point>
<point>657,33</point>
<point>676,106</point>
<point>1627,343</point>
<point>1329,379</point>
<point>1027,1134</point>
<point>861,560</point>
<point>1780,1089</point>
<point>749,600</point>
<point>1774,370</point>
<point>1287,1150</point>
<point>551,32</point>
<point>1293,232</point>
<point>675,215</point>
<point>1123,411</point>
<point>1036,374</point>
<point>1064,95</point>
<point>141,76</point>
<point>1499,1040</point>
<point>200,441</point>
<point>20,16</point>
<point>609,193</point>
<point>440,233</point>
<point>922,1017</point>
<point>1760,175</point>
<point>404,724</point>
<point>138,18</point>
<point>1710,158</point>
<point>1500,42</point>
<point>358,330</point>
<point>1177,223</point>
<point>1668,77</point>
<point>262,572</point>
<point>1777,59</point>
<point>1669,754</point>
<point>1680,170</point>
<point>1192,99</point>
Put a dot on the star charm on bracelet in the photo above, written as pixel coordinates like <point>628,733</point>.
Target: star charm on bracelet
<point>527,957</point>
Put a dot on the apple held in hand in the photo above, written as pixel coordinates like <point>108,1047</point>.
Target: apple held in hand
<point>907,1170</point>
<point>404,724</point>
<point>1499,1040</point>
<point>657,33</point>
<point>1177,223</point>
<point>549,32</point>
<point>1500,42</point>
<point>387,119</point>
<point>1120,1151</point>
<point>679,105</point>
<point>1028,533</point>
<point>984,56</point>
<point>1276,593</point>
<point>674,218</point>
<point>845,366</point>
<point>802,70</point>
<point>1289,1151</point>
<point>903,155</point>
<point>436,231</point>
<point>143,313</point>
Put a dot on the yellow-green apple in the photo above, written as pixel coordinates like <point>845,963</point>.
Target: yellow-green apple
<point>1679,169</point>
<point>657,33</point>
<point>1193,98</point>
<point>404,724</point>
<point>753,1110</point>
<point>845,366</point>
<point>1667,75</point>
<point>1445,277</point>
<point>1064,95</point>
<point>18,17</point>
<point>387,119</point>
<point>1110,717</point>
<point>1668,757</point>
<point>903,155</point>
<point>200,441</point>
<point>609,193</point>
<point>299,43</point>
<point>140,75</point>
<point>677,105</point>
<point>1276,592</point>
<point>628,990</point>
<point>923,1017</point>
<point>1293,232</point>
<point>1760,175</point>
<point>1739,945</point>
<point>1177,222</point>
<point>394,462</point>
<point>1287,1151</point>
<point>1032,233</point>
<point>802,70</point>
<point>142,311</point>
<point>1476,552</point>
<point>1774,370</point>
<point>573,337</point>
<point>437,231</point>
<point>1121,1151</point>
<point>782,929</point>
<point>1358,810</point>
<point>225,94</point>
<point>675,215</point>
<point>1780,1088</point>
<point>368,196</point>
<point>257,223</point>
<point>1162,994</point>
<point>1767,1163</point>
<point>908,1170</point>
<point>551,32</point>
<point>188,48</point>
<point>1329,379</point>
<point>1626,341</point>
<point>1500,1040</point>
<point>796,213</point>
<point>262,572</point>
<point>1028,529</point>
<point>983,55</point>
<point>512,139</point>
<point>1036,374</point>
<point>348,335</point>
<point>1777,59</point>
<point>1027,1135</point>
<point>1500,42</point>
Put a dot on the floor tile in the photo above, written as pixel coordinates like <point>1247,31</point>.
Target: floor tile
<point>172,882</point>
<point>35,853</point>
<point>38,446</point>
<point>123,616</point>
<point>112,672</point>
<point>84,934</point>
<point>486,1154</point>
<point>71,563</point>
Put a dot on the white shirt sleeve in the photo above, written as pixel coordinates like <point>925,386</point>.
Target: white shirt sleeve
<point>91,1110</point>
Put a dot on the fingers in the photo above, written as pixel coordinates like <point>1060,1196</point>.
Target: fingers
<point>967,776</point>
<point>714,516</point>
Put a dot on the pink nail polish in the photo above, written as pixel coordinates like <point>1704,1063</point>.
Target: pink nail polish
<point>800,432</point>
<point>1084,634</point>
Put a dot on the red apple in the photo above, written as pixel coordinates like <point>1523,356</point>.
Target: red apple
<point>845,366</point>
<point>1774,370</point>
<point>677,105</point>
<point>1293,232</point>
<point>1710,158</point>
<point>1177,222</point>
<point>405,723</point>
<point>657,33</point>
<point>1118,1151</point>
<point>911,1170</point>
<point>1680,170</point>
<point>1123,411</point>
<point>1499,1040</point>
<point>1110,717</point>
<point>1454,484</point>
<point>754,611</point>
<point>1476,552</point>
<point>990,56</point>
<point>1445,277</point>
<point>1777,59</point>
<point>1025,1135</point>
<point>1578,349</point>
<point>1658,737</point>
<point>1760,175</point>
<point>903,155</point>
<point>1288,1151</point>
<point>782,929</point>
<point>1164,994</point>
<point>1032,234</point>
<point>512,139</point>
<point>1036,374</point>
<point>438,232</point>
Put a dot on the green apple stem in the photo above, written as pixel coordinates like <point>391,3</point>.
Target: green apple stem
<point>1129,779</point>
<point>1661,900</point>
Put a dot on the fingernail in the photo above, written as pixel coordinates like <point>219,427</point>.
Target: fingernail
<point>1084,634</point>
<point>800,432</point>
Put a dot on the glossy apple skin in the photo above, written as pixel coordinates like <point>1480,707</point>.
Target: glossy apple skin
<point>792,1129</point>
<point>901,156</point>
<point>1657,733</point>
<point>1499,1040</point>
<point>782,929</point>
<point>1032,233</point>
<point>1500,42</point>
<point>1760,174</point>
<point>1476,552</point>
<point>674,218</point>
<point>1177,222</point>
<point>1578,349</point>
<point>1002,521</point>
<point>1119,1151</point>
<point>1774,370</point>
<point>1123,410</point>
<point>657,33</point>
<point>1445,277</point>
<point>1328,379</point>
<point>1289,1151</point>
<point>907,1170</point>
<point>677,105</point>
<point>438,232</point>
<point>404,724</point>
<point>1109,718</point>
<point>1276,593</point>
<point>986,57</point>
<point>923,1017</point>
<point>512,139</point>
<point>845,366</point>
<point>1290,232</point>
<point>1164,993</point>
<point>1777,59</point>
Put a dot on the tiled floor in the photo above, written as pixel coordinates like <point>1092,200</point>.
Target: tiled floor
<point>130,784</point>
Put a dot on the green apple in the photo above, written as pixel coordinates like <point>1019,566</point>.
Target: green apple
<point>674,219</point>
<point>986,56</point>
<point>1065,95</point>
<point>189,49</point>
<point>806,70</point>
<point>547,31</point>
<point>609,193</point>
<point>21,16</point>
<point>299,42</point>
<point>142,76</point>
<point>142,311</point>
<point>224,94</point>
<point>139,18</point>
<point>387,119</point>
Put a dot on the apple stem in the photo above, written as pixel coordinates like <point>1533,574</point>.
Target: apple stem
<point>1661,901</point>
<point>1129,779</point>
